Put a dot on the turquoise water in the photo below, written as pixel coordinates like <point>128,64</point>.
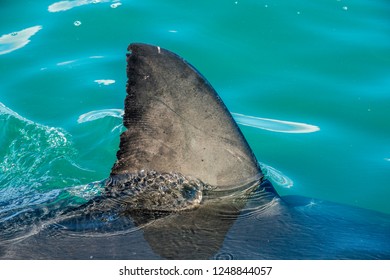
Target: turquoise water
<point>308,82</point>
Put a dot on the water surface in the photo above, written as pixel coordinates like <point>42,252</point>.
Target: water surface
<point>307,82</point>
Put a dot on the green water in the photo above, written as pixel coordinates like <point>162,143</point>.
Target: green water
<point>324,63</point>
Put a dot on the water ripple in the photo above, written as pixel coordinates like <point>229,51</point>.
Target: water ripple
<point>16,40</point>
<point>32,164</point>
<point>275,125</point>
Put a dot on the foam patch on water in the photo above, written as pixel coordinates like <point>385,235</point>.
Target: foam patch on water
<point>16,40</point>
<point>262,123</point>
<point>276,177</point>
<point>105,82</point>
<point>274,125</point>
<point>4,110</point>
<point>95,115</point>
<point>115,5</point>
<point>62,6</point>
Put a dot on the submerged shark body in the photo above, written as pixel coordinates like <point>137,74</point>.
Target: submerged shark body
<point>186,185</point>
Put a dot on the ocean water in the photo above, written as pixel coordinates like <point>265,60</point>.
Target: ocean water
<point>307,81</point>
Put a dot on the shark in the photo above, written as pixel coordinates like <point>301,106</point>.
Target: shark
<point>183,186</point>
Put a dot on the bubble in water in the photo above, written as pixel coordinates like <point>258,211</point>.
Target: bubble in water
<point>77,23</point>
<point>345,8</point>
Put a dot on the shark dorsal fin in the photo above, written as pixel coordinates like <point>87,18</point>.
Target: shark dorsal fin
<point>176,122</point>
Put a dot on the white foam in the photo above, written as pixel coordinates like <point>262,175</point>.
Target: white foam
<point>95,115</point>
<point>62,6</point>
<point>16,40</point>
<point>277,177</point>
